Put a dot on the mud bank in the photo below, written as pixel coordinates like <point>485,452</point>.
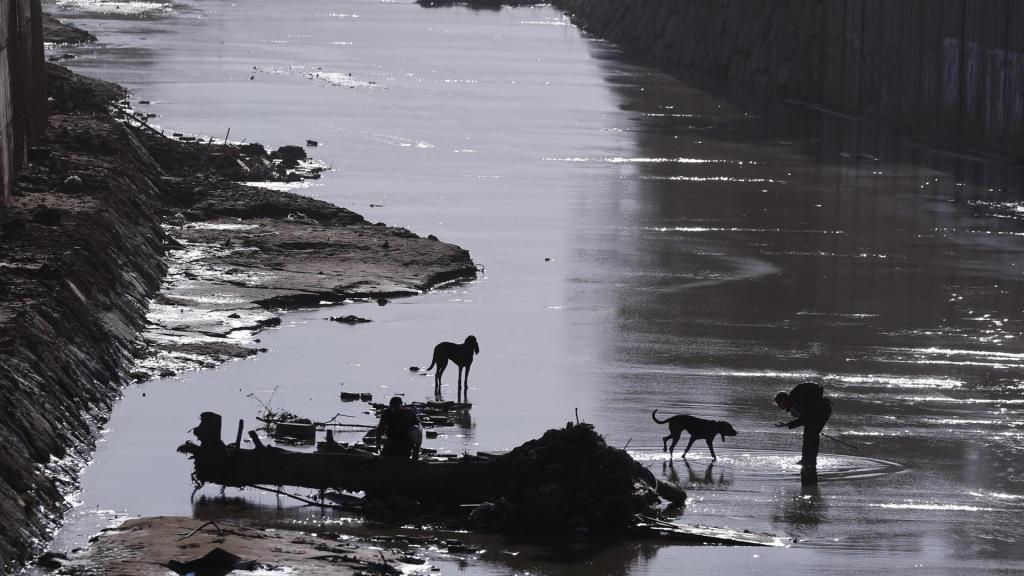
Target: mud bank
<point>83,249</point>
<point>146,546</point>
<point>242,254</point>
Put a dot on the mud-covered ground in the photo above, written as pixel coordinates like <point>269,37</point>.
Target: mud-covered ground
<point>147,546</point>
<point>242,254</point>
<point>99,215</point>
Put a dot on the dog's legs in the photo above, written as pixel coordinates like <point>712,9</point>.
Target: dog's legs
<point>712,448</point>
<point>466,381</point>
<point>664,443</point>
<point>675,440</point>
<point>690,443</point>
<point>441,365</point>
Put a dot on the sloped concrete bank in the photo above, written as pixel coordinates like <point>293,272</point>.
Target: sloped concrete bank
<point>82,252</point>
<point>950,71</point>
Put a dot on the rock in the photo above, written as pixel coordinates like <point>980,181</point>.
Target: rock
<point>254,150</point>
<point>350,319</point>
<point>414,368</point>
<point>72,184</point>
<point>51,560</point>
<point>289,152</point>
<point>269,322</point>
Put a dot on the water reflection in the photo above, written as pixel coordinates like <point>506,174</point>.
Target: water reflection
<point>698,477</point>
<point>803,509</point>
<point>793,245</point>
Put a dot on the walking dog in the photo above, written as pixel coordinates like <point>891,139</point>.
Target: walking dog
<point>460,354</point>
<point>698,428</point>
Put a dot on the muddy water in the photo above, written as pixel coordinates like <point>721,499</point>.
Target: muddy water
<point>647,245</point>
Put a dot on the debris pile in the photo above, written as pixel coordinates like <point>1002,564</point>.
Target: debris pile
<point>570,482</point>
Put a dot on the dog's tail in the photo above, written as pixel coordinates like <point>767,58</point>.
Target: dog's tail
<point>431,367</point>
<point>656,418</point>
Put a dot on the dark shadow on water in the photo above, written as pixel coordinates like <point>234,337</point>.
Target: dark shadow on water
<point>827,137</point>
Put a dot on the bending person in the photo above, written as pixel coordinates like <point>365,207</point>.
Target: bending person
<point>811,409</point>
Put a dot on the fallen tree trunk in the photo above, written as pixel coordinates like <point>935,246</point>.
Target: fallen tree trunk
<point>460,482</point>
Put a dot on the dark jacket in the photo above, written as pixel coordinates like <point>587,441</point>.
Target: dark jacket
<point>809,403</point>
<point>396,423</point>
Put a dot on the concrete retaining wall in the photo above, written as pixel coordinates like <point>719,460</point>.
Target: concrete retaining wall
<point>22,86</point>
<point>949,70</point>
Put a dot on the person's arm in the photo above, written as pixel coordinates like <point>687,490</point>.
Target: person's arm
<point>795,422</point>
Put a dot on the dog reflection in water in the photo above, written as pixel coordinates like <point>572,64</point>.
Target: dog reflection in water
<point>694,477</point>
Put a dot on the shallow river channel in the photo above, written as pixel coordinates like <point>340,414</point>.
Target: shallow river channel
<point>646,245</point>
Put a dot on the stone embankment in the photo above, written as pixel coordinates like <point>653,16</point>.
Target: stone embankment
<point>82,250</point>
<point>950,71</point>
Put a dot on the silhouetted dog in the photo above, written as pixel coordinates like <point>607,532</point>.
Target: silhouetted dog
<point>698,429</point>
<point>461,354</point>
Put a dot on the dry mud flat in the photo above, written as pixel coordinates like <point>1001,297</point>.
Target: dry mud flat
<point>83,250</point>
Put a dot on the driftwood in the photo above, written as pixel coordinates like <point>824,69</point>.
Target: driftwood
<point>655,529</point>
<point>566,481</point>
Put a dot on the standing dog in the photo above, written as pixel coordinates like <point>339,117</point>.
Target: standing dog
<point>698,428</point>
<point>461,354</point>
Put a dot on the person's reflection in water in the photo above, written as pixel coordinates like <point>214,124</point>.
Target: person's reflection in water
<point>806,509</point>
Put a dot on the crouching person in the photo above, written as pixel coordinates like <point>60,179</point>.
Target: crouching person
<point>400,431</point>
